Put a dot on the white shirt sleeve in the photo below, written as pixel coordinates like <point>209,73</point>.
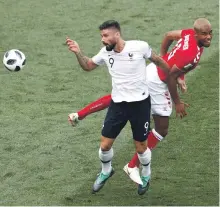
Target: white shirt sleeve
<point>98,59</point>
<point>146,49</point>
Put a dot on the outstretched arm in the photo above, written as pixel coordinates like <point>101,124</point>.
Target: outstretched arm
<point>98,105</point>
<point>168,39</point>
<point>85,62</point>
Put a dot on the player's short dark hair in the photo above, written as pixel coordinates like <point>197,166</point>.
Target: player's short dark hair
<point>109,24</point>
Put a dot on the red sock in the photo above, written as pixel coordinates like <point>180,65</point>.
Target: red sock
<point>152,140</point>
<point>134,161</point>
<point>151,143</point>
<point>98,105</point>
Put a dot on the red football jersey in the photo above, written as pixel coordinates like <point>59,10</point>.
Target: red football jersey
<point>185,54</point>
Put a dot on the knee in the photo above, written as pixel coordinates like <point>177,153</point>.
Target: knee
<point>105,145</point>
<point>162,132</point>
<point>161,125</point>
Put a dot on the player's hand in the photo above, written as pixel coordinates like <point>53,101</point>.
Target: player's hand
<point>70,119</point>
<point>72,45</point>
<point>73,119</point>
<point>182,85</point>
<point>181,109</point>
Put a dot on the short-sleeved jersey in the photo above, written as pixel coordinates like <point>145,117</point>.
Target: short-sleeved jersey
<point>185,54</point>
<point>127,70</point>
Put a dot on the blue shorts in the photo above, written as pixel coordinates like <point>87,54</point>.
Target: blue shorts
<point>137,113</point>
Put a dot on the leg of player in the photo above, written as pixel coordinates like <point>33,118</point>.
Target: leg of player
<point>105,155</point>
<point>98,105</point>
<point>154,137</point>
<point>161,129</point>
<point>144,155</point>
<point>139,117</point>
<point>115,121</point>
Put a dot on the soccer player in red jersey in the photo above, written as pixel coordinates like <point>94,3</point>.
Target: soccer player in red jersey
<point>183,58</point>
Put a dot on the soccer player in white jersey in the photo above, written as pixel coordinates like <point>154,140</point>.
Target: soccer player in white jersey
<point>126,62</point>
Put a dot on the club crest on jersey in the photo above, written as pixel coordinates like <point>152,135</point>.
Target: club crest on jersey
<point>130,55</point>
<point>188,67</point>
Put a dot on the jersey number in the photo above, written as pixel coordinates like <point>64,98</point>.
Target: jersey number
<point>178,45</point>
<point>146,126</point>
<point>111,61</point>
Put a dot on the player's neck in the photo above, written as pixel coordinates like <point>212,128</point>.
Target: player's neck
<point>199,45</point>
<point>119,46</point>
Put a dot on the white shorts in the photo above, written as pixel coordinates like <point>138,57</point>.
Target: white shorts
<point>161,103</point>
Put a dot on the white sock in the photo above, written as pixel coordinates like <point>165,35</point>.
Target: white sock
<point>157,135</point>
<point>145,159</point>
<point>106,157</point>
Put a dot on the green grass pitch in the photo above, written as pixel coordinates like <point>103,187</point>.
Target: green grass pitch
<point>44,161</point>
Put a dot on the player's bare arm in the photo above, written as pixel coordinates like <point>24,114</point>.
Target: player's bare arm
<point>168,39</point>
<point>175,72</point>
<point>157,60</point>
<point>182,84</point>
<point>85,62</point>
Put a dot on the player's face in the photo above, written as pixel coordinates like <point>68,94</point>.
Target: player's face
<point>109,38</point>
<point>204,36</point>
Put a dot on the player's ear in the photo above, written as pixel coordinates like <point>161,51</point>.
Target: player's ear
<point>117,34</point>
<point>196,35</point>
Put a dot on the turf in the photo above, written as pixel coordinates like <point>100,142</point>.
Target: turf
<point>44,161</point>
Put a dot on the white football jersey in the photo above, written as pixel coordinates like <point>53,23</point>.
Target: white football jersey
<point>127,69</point>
